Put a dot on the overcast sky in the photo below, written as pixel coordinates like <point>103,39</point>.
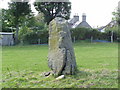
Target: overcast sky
<point>99,12</point>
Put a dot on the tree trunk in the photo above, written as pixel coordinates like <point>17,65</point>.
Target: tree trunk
<point>74,39</point>
<point>61,58</point>
<point>91,39</point>
<point>112,37</point>
<point>16,36</point>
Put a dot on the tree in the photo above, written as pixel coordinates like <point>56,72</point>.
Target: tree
<point>81,33</point>
<point>118,14</point>
<point>19,10</point>
<point>6,21</point>
<point>36,23</point>
<point>0,19</point>
<point>34,30</point>
<point>113,31</point>
<point>52,9</point>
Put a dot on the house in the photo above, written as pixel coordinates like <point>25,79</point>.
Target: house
<point>110,24</point>
<point>6,39</point>
<point>74,22</point>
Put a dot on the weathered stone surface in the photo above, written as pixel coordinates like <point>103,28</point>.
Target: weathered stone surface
<point>61,58</point>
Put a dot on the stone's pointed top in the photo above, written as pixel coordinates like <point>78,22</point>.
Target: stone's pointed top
<point>60,20</point>
<point>59,14</point>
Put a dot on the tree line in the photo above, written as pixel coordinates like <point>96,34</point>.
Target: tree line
<point>31,29</point>
<point>19,18</point>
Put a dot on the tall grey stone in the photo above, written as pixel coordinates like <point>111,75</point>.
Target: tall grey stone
<point>61,58</point>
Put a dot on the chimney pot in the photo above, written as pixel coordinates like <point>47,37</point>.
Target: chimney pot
<point>84,17</point>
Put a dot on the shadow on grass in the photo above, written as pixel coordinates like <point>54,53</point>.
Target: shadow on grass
<point>81,74</point>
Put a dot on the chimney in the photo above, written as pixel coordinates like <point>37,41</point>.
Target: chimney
<point>76,18</point>
<point>84,17</point>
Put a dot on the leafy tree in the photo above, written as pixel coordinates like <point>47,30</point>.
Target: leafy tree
<point>7,23</point>
<point>53,9</point>
<point>117,15</point>
<point>37,23</point>
<point>0,19</point>
<point>19,10</point>
<point>22,33</point>
<point>114,30</point>
<point>95,34</point>
<point>81,33</point>
<point>34,31</point>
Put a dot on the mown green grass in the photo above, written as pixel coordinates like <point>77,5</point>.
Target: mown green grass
<point>23,67</point>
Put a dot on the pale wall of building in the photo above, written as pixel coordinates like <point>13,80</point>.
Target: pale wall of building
<point>6,39</point>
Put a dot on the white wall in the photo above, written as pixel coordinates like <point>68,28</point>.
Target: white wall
<point>6,40</point>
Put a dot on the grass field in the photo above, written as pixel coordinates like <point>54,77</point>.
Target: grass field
<point>23,67</point>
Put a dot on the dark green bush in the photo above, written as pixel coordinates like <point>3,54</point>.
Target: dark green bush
<point>40,37</point>
<point>80,33</point>
<point>84,33</point>
<point>30,38</point>
<point>43,35</point>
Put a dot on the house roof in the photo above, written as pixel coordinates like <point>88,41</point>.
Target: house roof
<point>74,22</point>
<point>74,19</point>
<point>110,24</point>
<point>71,20</point>
<point>84,24</point>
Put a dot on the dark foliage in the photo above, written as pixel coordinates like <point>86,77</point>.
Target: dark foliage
<point>18,11</point>
<point>40,37</point>
<point>53,9</point>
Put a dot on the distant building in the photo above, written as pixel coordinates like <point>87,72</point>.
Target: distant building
<point>6,39</point>
<point>74,22</point>
<point>110,24</point>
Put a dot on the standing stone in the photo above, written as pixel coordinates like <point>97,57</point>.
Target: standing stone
<point>61,58</point>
